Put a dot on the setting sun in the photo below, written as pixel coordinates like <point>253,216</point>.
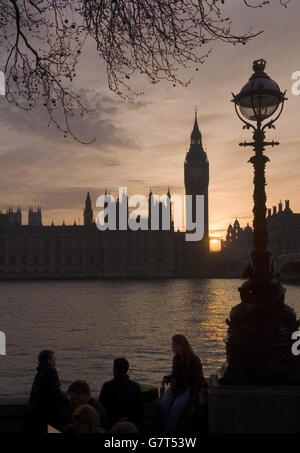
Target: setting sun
<point>215,244</point>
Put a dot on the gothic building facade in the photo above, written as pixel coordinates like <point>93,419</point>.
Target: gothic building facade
<point>284,230</point>
<point>238,241</point>
<point>35,251</point>
<point>284,235</point>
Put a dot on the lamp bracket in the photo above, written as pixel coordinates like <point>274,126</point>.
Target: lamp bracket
<point>247,144</point>
<point>272,143</point>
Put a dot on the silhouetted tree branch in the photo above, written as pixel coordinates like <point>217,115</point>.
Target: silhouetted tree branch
<point>43,39</point>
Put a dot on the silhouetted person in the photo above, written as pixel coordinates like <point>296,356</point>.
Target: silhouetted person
<point>186,382</point>
<point>46,398</point>
<point>79,393</point>
<point>121,397</point>
<point>86,420</point>
<point>124,426</point>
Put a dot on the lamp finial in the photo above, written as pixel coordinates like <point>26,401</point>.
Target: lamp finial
<point>259,66</point>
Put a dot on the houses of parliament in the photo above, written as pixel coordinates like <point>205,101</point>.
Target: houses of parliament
<point>34,251</point>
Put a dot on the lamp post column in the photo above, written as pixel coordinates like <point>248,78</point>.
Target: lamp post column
<point>260,236</point>
<point>259,338</point>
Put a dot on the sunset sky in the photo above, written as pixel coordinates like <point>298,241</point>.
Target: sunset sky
<point>143,144</point>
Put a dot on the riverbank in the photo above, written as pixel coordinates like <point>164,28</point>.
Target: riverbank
<point>230,409</point>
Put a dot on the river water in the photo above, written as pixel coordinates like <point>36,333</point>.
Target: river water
<point>89,323</point>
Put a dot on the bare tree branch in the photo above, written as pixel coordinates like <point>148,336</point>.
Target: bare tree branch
<point>42,41</point>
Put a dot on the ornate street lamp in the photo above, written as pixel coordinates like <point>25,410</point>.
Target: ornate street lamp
<point>259,339</point>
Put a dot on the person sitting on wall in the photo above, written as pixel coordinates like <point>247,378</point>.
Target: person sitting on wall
<point>186,382</point>
<point>79,393</point>
<point>122,397</point>
<point>47,402</point>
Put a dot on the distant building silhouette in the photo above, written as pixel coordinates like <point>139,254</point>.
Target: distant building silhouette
<point>163,210</point>
<point>238,241</point>
<point>11,217</point>
<point>284,230</point>
<point>82,251</point>
<point>88,212</point>
<point>284,239</point>
<point>35,216</point>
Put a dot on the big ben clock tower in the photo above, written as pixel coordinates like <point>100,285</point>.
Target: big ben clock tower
<point>196,177</point>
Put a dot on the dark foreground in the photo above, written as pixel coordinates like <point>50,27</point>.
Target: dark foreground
<point>230,409</point>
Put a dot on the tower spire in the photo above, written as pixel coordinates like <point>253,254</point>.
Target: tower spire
<point>196,138</point>
<point>88,211</point>
<point>196,180</point>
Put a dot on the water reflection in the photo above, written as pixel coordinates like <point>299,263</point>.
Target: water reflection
<point>88,324</point>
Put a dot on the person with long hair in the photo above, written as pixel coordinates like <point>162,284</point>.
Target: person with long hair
<point>186,382</point>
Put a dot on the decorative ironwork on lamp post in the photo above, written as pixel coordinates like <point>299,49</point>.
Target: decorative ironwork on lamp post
<point>259,340</point>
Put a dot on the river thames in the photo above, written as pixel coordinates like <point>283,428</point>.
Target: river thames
<point>89,323</point>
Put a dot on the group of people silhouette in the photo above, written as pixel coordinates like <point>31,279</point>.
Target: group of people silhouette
<point>119,408</point>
